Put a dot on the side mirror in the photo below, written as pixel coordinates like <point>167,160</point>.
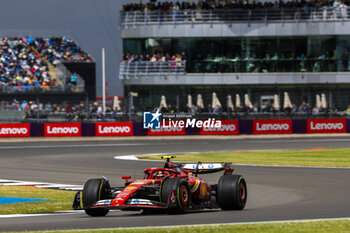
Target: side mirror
<point>126,177</point>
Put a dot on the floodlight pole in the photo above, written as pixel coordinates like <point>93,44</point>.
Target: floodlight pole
<point>103,82</point>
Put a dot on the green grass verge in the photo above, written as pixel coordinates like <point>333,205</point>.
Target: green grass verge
<point>322,158</point>
<point>342,226</point>
<point>58,200</point>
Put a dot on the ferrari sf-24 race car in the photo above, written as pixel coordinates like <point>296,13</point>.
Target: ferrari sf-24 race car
<point>174,188</point>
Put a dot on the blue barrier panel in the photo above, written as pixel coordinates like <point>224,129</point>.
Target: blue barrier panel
<point>299,126</point>
<point>348,125</point>
<point>138,129</point>
<point>245,126</point>
<point>36,130</point>
<point>88,129</point>
<point>192,131</point>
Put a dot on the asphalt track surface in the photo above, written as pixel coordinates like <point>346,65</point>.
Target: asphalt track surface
<point>274,193</point>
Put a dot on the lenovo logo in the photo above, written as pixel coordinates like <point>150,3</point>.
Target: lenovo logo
<point>326,125</point>
<point>271,127</point>
<point>62,129</point>
<point>14,130</point>
<point>329,126</point>
<point>117,129</point>
<point>168,129</point>
<point>114,129</point>
<point>222,128</point>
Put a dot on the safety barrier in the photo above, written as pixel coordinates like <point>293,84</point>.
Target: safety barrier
<point>228,127</point>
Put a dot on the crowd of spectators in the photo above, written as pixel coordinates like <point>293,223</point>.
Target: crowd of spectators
<point>57,49</point>
<point>34,110</point>
<point>233,4</point>
<point>24,61</point>
<point>21,65</point>
<point>178,57</point>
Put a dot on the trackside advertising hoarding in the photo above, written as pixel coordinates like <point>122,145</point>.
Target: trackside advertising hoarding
<point>62,129</point>
<point>228,127</point>
<point>272,126</point>
<point>326,126</point>
<point>114,129</point>
<point>15,130</point>
<point>173,128</point>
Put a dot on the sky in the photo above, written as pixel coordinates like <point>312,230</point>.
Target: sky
<point>93,24</point>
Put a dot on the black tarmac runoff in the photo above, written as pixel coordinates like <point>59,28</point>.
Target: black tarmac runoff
<point>274,193</point>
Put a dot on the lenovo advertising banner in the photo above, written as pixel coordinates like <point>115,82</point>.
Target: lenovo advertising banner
<point>228,127</point>
<point>326,126</point>
<point>62,129</point>
<point>15,130</point>
<point>272,126</point>
<point>114,129</point>
<point>168,128</point>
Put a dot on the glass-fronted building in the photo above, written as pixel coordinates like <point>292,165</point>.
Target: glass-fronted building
<point>260,57</point>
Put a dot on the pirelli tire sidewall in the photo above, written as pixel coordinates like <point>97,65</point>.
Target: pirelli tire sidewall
<point>93,191</point>
<point>231,193</point>
<point>182,193</point>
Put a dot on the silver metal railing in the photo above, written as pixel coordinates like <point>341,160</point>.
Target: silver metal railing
<point>148,68</point>
<point>142,18</point>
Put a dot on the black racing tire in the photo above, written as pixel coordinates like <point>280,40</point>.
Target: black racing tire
<point>182,193</point>
<point>231,193</point>
<point>95,190</point>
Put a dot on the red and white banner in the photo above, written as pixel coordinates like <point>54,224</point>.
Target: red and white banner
<point>15,130</point>
<point>272,126</point>
<point>228,127</point>
<point>326,126</point>
<point>171,129</point>
<point>114,129</point>
<point>62,129</point>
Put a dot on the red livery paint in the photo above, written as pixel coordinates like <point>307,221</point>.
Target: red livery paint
<point>272,126</point>
<point>114,129</point>
<point>62,129</point>
<point>171,130</point>
<point>326,126</point>
<point>15,130</point>
<point>227,127</point>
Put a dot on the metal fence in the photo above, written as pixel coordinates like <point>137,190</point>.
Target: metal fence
<point>144,68</point>
<point>140,18</point>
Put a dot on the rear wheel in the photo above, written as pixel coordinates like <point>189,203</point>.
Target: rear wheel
<point>95,190</point>
<point>175,192</point>
<point>231,193</point>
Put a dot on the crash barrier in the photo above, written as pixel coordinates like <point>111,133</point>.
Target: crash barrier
<point>228,127</point>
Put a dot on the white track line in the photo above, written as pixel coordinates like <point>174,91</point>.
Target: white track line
<point>69,187</point>
<point>135,158</point>
<point>40,215</point>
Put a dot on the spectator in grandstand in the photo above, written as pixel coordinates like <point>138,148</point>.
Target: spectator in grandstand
<point>69,112</point>
<point>347,111</point>
<point>133,111</point>
<point>217,110</point>
<point>209,109</point>
<point>303,108</point>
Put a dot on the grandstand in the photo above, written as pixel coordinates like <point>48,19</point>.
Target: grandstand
<point>250,53</point>
<point>37,67</point>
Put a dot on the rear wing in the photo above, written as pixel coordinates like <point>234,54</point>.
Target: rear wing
<point>200,168</point>
<point>204,168</point>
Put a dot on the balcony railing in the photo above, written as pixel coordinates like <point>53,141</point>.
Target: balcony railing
<point>142,18</point>
<point>148,68</point>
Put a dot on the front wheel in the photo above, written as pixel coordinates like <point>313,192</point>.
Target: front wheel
<point>231,193</point>
<point>95,190</point>
<point>175,192</point>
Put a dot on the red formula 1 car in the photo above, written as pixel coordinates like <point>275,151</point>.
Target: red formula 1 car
<point>173,188</point>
